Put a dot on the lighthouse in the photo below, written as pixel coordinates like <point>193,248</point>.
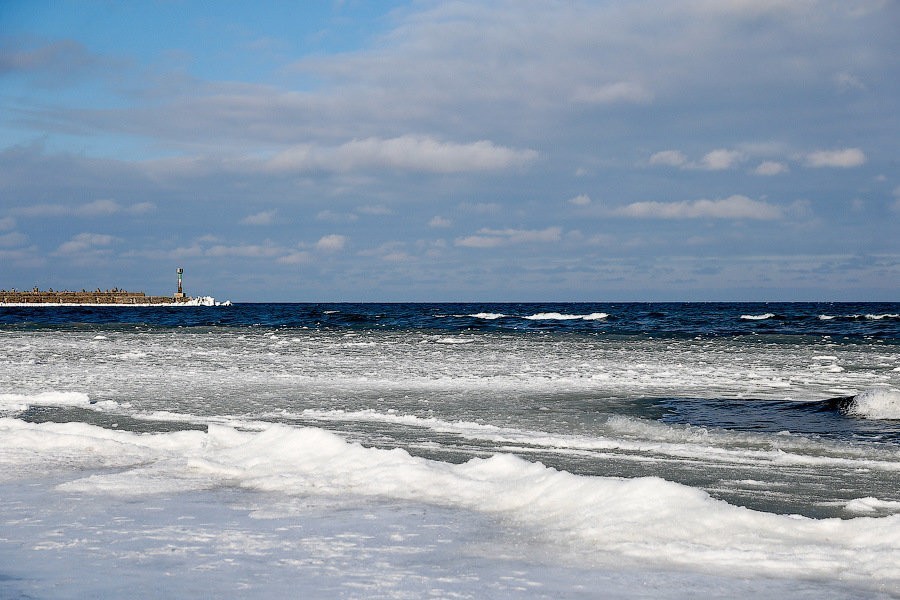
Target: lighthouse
<point>179,295</point>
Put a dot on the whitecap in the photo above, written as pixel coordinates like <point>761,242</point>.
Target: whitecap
<point>487,316</point>
<point>555,316</point>
<point>757,317</point>
<point>876,403</point>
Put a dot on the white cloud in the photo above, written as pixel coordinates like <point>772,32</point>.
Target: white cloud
<point>335,217</point>
<point>845,158</point>
<point>266,217</point>
<point>295,258</point>
<point>404,153</point>
<point>847,81</point>
<point>331,243</point>
<point>733,207</point>
<point>716,160</point>
<point>375,210</point>
<point>7,223</point>
<point>719,160</point>
<point>13,239</point>
<point>619,92</point>
<point>669,158</point>
<point>96,208</point>
<point>492,238</point>
<point>244,251</point>
<point>389,252</point>
<point>85,242</point>
<point>770,167</point>
<point>482,208</point>
<point>439,221</point>
<point>141,208</point>
<point>580,200</point>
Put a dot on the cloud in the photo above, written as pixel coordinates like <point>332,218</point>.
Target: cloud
<point>492,238</point>
<point>295,258</point>
<point>847,82</point>
<point>405,153</point>
<point>619,92</point>
<point>715,160</point>
<point>843,159</point>
<point>769,168</point>
<point>378,210</point>
<point>84,243</point>
<point>97,208</point>
<point>719,160</point>
<point>13,239</point>
<point>733,207</point>
<point>438,221</point>
<point>580,200</point>
<point>7,223</point>
<point>331,243</point>
<point>389,252</point>
<point>54,64</point>
<point>335,217</point>
<point>669,158</point>
<point>244,251</point>
<point>266,217</point>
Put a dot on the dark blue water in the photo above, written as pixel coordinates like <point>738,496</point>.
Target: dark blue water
<point>879,321</point>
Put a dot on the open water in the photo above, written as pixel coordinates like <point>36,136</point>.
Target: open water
<point>450,450</point>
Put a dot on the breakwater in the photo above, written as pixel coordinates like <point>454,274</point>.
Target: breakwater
<point>84,297</point>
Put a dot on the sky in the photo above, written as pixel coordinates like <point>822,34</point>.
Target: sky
<point>552,150</point>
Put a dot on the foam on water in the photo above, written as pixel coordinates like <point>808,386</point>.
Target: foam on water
<point>555,316</point>
<point>877,403</point>
<point>757,317</point>
<point>669,439</point>
<point>647,519</point>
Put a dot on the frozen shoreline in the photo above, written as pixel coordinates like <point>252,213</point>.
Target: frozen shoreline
<point>238,543</point>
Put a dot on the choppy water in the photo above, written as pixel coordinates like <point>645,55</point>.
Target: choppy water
<point>698,437</point>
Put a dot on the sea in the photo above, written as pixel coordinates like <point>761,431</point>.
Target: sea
<point>463,450</point>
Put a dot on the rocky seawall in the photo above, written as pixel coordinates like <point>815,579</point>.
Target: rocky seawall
<point>96,297</point>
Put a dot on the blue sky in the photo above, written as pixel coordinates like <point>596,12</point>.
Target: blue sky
<point>440,151</point>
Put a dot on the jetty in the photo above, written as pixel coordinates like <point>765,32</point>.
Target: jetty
<point>98,297</point>
<point>114,296</point>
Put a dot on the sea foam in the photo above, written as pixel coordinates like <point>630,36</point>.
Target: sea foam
<point>876,403</point>
<point>555,316</point>
<point>645,519</point>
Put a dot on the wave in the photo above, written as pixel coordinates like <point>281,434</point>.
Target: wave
<point>859,317</point>
<point>607,518</point>
<point>555,316</point>
<point>758,317</point>
<point>877,403</point>
<point>629,438</point>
